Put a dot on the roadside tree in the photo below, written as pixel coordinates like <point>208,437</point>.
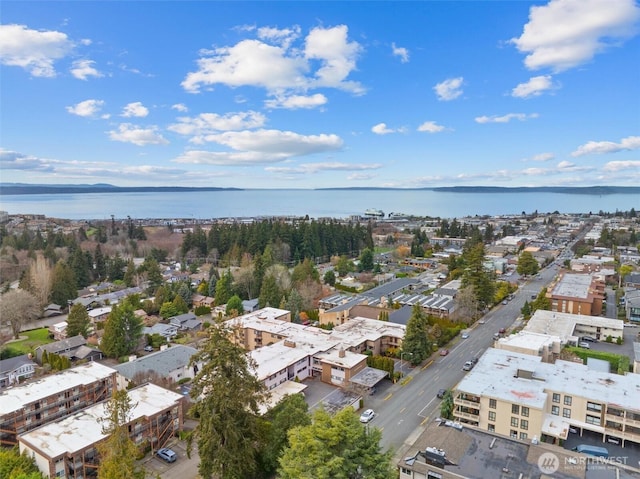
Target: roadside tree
<point>415,339</point>
<point>17,308</point>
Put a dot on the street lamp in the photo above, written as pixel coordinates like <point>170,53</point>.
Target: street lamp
<point>401,356</point>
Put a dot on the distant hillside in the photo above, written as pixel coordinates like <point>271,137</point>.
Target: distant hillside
<point>575,190</point>
<point>26,189</point>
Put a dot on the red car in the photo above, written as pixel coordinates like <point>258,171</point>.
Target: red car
<point>444,352</point>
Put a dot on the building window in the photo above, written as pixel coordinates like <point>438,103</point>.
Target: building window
<point>556,397</point>
<point>567,400</point>
<point>492,415</point>
<point>555,410</point>
<point>406,472</point>
<point>514,422</point>
<point>591,406</point>
<point>524,424</point>
<point>492,403</point>
<point>515,409</point>
<point>592,420</point>
<point>523,436</point>
<point>513,434</point>
<point>566,412</point>
<point>433,475</point>
<point>524,411</point>
<point>491,428</point>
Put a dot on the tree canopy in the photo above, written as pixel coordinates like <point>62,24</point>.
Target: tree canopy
<point>335,447</point>
<point>227,395</point>
<point>416,344</point>
<point>17,308</point>
<point>78,321</point>
<point>122,331</point>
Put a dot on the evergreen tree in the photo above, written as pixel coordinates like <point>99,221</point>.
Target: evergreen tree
<point>366,260</point>
<point>228,395</point>
<point>330,278</point>
<point>63,287</point>
<point>100,270</point>
<point>234,306</point>
<point>223,288</point>
<point>415,340</point>
<point>270,293</point>
<point>78,321</point>
<point>122,331</point>
<point>130,274</point>
<point>335,446</point>
<point>527,264</point>
<point>118,452</point>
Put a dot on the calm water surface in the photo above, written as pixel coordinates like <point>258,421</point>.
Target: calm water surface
<point>315,203</point>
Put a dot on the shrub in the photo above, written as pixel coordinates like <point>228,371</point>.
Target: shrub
<point>619,340</point>
<point>609,339</point>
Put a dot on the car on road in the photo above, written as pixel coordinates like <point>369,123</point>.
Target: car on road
<point>464,335</point>
<point>367,415</point>
<point>167,454</point>
<point>482,321</point>
<point>444,352</point>
<point>441,393</point>
<point>505,302</point>
<point>468,366</point>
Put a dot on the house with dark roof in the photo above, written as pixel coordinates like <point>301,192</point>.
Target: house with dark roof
<point>13,370</point>
<point>75,348</point>
<point>171,363</point>
<point>186,322</point>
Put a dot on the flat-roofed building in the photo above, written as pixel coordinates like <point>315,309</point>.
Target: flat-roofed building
<point>41,401</point>
<point>519,396</point>
<point>68,447</point>
<point>571,327</point>
<point>577,294</point>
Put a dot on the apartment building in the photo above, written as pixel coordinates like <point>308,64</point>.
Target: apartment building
<point>518,396</point>
<point>577,294</point>
<point>51,398</point>
<point>68,447</point>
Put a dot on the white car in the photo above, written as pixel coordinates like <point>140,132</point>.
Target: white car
<point>464,335</point>
<point>367,415</point>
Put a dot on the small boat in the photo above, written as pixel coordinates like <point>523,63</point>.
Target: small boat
<point>373,213</point>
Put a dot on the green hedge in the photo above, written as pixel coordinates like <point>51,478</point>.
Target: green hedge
<point>619,362</point>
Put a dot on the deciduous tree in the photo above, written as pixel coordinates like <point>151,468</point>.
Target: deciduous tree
<point>527,264</point>
<point>228,394</point>
<point>17,308</point>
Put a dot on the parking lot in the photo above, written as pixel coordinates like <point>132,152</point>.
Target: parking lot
<point>628,455</point>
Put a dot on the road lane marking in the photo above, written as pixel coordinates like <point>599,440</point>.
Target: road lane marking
<point>420,393</point>
<point>424,421</point>
<point>402,410</point>
<point>388,397</point>
<point>426,365</point>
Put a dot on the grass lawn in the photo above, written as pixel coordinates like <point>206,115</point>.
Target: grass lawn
<point>34,338</point>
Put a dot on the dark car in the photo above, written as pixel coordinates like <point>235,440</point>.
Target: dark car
<point>590,339</point>
<point>441,393</point>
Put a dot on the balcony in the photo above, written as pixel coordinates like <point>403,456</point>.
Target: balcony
<point>470,416</point>
<point>463,402</point>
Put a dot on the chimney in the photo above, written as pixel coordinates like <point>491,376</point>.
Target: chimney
<point>289,344</point>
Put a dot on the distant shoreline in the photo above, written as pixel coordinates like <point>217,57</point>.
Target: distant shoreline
<point>25,189</point>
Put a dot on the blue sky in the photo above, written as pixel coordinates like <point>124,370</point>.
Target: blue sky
<point>321,94</point>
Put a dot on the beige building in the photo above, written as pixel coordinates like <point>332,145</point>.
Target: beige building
<point>68,447</point>
<point>51,398</point>
<point>519,396</point>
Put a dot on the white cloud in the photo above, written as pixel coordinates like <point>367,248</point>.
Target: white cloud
<point>449,89</point>
<point>360,176</point>
<point>83,69</point>
<point>534,87</point>
<point>34,50</point>
<point>622,165</point>
<point>136,109</point>
<point>282,36</point>
<point>401,52</point>
<point>600,147</point>
<point>277,67</point>
<point>261,146</point>
<point>210,123</point>
<point>567,33</point>
<point>505,118</point>
<point>311,168</point>
<point>128,133</point>
<point>381,129</point>
<point>543,157</point>
<point>295,102</point>
<point>181,107</point>
<point>87,108</point>
<point>431,127</point>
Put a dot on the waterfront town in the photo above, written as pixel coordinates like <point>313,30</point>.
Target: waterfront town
<point>474,347</point>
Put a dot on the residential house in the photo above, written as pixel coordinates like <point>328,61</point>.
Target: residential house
<point>186,322</point>
<point>58,330</point>
<point>169,331</point>
<point>16,369</point>
<point>67,347</point>
<point>199,300</point>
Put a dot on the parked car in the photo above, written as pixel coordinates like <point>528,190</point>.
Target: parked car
<point>464,335</point>
<point>502,331</point>
<point>590,339</point>
<point>474,361</point>
<point>148,349</point>
<point>505,301</point>
<point>444,352</point>
<point>584,345</point>
<point>367,415</point>
<point>167,454</point>
<point>441,393</point>
<point>468,366</point>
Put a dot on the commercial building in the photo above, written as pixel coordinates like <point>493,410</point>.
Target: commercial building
<point>68,447</point>
<point>51,398</point>
<point>518,396</point>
